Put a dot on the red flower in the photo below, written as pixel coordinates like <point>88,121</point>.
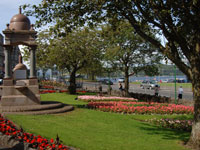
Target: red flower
<point>32,141</point>
<point>51,140</point>
<point>8,128</point>
<point>53,146</point>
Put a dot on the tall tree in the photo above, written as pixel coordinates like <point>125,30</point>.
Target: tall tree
<point>129,53</point>
<point>178,21</point>
<point>93,69</point>
<point>71,52</point>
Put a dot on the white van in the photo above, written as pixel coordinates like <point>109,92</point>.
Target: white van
<point>121,80</point>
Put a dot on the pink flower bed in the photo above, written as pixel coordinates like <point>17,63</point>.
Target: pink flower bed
<point>141,107</point>
<point>37,142</point>
<point>103,98</point>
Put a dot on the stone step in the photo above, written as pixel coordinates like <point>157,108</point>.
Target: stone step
<point>43,106</point>
<point>63,109</point>
<point>5,148</point>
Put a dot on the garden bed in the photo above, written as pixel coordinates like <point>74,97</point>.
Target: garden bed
<point>10,131</point>
<point>89,98</point>
<point>141,107</point>
<point>88,129</point>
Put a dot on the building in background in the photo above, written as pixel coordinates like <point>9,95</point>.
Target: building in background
<point>14,57</point>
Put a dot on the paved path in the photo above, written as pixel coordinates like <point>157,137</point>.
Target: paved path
<point>164,90</point>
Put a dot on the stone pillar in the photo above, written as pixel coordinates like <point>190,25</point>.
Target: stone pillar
<point>32,62</point>
<point>7,53</point>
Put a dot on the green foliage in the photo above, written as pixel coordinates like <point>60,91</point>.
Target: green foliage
<point>129,53</point>
<point>126,49</point>
<point>169,18</point>
<point>72,52</point>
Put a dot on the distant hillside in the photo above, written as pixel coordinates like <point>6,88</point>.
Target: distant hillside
<point>166,70</point>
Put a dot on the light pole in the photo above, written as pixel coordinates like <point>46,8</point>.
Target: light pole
<point>109,86</point>
<point>175,83</point>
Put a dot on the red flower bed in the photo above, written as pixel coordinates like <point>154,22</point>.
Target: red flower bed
<point>47,87</point>
<point>47,91</point>
<point>141,107</point>
<point>81,91</point>
<point>63,91</point>
<point>37,142</point>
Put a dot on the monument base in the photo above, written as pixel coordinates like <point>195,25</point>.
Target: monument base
<point>20,93</point>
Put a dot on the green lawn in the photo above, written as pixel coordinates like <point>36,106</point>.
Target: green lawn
<point>94,130</point>
<point>184,85</point>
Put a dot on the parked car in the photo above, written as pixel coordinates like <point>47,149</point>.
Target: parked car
<point>170,81</point>
<point>121,80</point>
<point>177,81</point>
<point>148,84</point>
<point>106,81</point>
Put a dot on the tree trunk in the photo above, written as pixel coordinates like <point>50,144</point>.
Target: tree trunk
<point>195,134</point>
<point>43,73</point>
<point>126,84</point>
<point>72,80</point>
<point>92,76</point>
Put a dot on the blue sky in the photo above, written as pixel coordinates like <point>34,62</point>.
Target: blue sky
<point>9,8</point>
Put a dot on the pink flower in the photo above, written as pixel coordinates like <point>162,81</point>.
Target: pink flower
<point>141,107</point>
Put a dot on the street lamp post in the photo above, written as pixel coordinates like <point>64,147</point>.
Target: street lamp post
<point>175,84</point>
<point>109,86</point>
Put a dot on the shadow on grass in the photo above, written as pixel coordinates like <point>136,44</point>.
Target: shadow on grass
<point>166,133</point>
<point>87,93</point>
<point>84,106</point>
<point>56,102</point>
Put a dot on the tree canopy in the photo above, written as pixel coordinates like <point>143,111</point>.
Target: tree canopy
<point>178,21</point>
<point>76,50</point>
<point>128,52</point>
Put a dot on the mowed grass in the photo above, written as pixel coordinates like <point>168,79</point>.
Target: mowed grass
<point>184,85</point>
<point>94,130</point>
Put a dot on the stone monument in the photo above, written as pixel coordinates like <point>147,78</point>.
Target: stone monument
<point>21,92</point>
<point>18,89</point>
